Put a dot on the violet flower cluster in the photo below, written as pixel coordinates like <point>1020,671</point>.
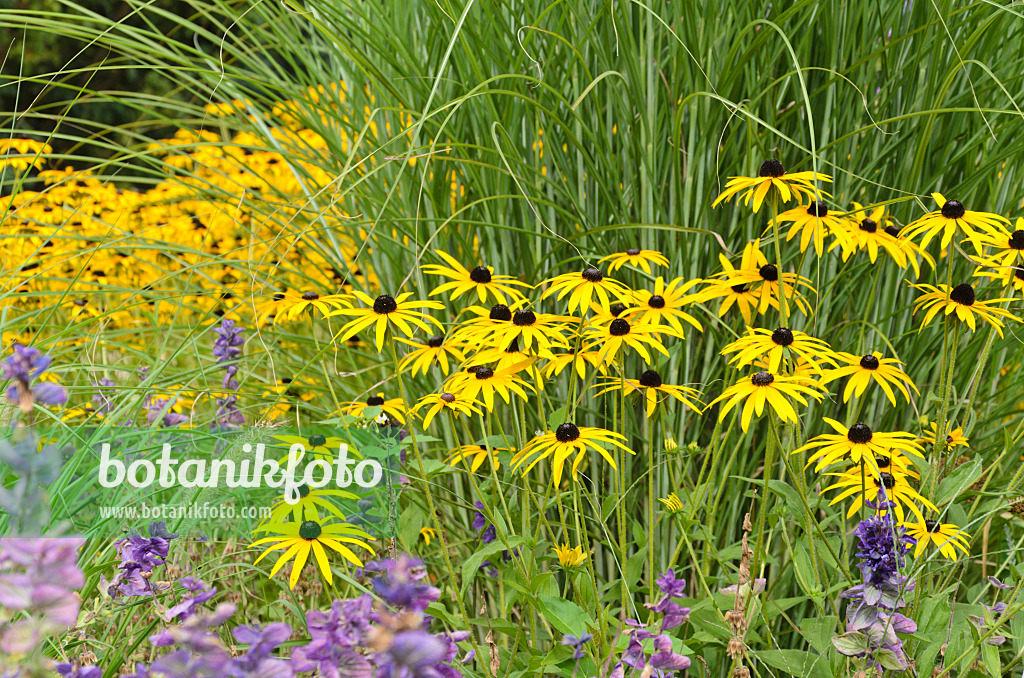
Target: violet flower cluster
<point>139,557</point>
<point>872,617</point>
<point>357,639</point>
<point>228,350</point>
<point>670,587</point>
<point>38,578</point>
<point>24,367</point>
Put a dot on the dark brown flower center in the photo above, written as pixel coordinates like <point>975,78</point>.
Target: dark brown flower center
<point>524,318</point>
<point>310,296</point>
<point>633,251</point>
<point>884,461</point>
<point>618,328</point>
<point>782,337</point>
<point>932,525</point>
<point>435,342</point>
<point>771,168</point>
<point>480,275</point>
<point>963,294</point>
<point>859,434</point>
<point>593,275</point>
<point>385,304</point>
<point>769,272</point>
<point>566,433</point>
<point>484,373</point>
<point>80,303</point>
<point>1017,240</point>
<point>448,397</point>
<point>953,209</point>
<point>869,362</point>
<point>817,209</point>
<point>893,230</point>
<point>310,530</point>
<point>869,225</point>
<point>375,401</point>
<point>500,312</point>
<point>762,379</point>
<point>739,289</point>
<point>278,296</point>
<point>656,301</point>
<point>616,309</point>
<point>316,440</point>
<point>886,480</point>
<point>650,379</point>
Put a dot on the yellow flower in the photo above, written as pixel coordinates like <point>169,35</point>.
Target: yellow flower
<point>308,506</point>
<point>437,350</point>
<point>650,386</point>
<point>585,290</point>
<point>954,436</point>
<point>386,311</point>
<point>868,485</point>
<point>532,331</point>
<point>570,557</point>
<point>481,280</point>
<point>288,306</point>
<point>765,387</point>
<point>1009,247</point>
<point>863,370</point>
<point>813,221</point>
<point>437,402</point>
<point>427,533</point>
<point>394,407</point>
<point>565,441</point>
<point>765,281</point>
<point>608,340</point>
<point>300,539</point>
<point>579,360</point>
<point>772,177</point>
<point>475,455</point>
<point>663,305</point>
<point>671,503</point>
<point>950,216</point>
<point>773,345</point>
<point>961,301</point>
<point>943,536</point>
<point>638,258</point>
<point>486,382</point>
<point>857,443</point>
<point>872,231</point>
<point>317,444</point>
<point>22,154</point>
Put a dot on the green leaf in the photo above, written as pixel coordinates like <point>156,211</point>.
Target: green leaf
<point>958,481</point>
<point>851,644</point>
<point>473,563</point>
<point>818,631</point>
<point>635,567</point>
<point>888,660</point>
<point>799,663</point>
<point>557,418</point>
<point>565,615</point>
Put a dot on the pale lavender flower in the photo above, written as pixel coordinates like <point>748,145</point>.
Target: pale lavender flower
<point>24,367</point>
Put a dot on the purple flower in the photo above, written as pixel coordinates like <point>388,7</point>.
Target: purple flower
<point>257,662</point>
<point>400,586</point>
<point>228,350</point>
<point>881,547</point>
<point>675,615</point>
<point>411,654</point>
<point>139,557</point>
<point>159,409</point>
<point>480,523</point>
<point>70,671</point>
<point>186,608</point>
<point>577,643</point>
<point>23,367</point>
<point>664,659</point>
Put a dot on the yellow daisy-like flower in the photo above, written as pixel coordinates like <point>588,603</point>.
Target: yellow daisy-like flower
<point>671,503</point>
<point>481,280</point>
<point>317,444</point>
<point>483,324</point>
<point>652,388</point>
<point>961,301</point>
<point>635,257</point>
<point>393,408</point>
<point>1009,247</point>
<point>765,280</point>
<point>872,231</point>
<point>451,402</point>
<point>950,216</point>
<point>857,443</point>
<point>869,485</point>
<point>386,311</point>
<point>532,331</point>
<point>438,349</point>
<point>298,540</point>
<point>475,456</point>
<point>765,387</point>
<point>608,340</point>
<point>485,382</point>
<point>570,557</point>
<point>740,296</point>
<point>772,177</point>
<point>894,461</point>
<point>814,222</point>
<point>565,441</point>
<point>288,306</point>
<point>1009,276</point>
<point>772,347</point>
<point>944,536</point>
<point>309,504</point>
<point>585,290</point>
<point>663,305</point>
<point>954,436</point>
<point>426,534</point>
<point>862,370</point>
